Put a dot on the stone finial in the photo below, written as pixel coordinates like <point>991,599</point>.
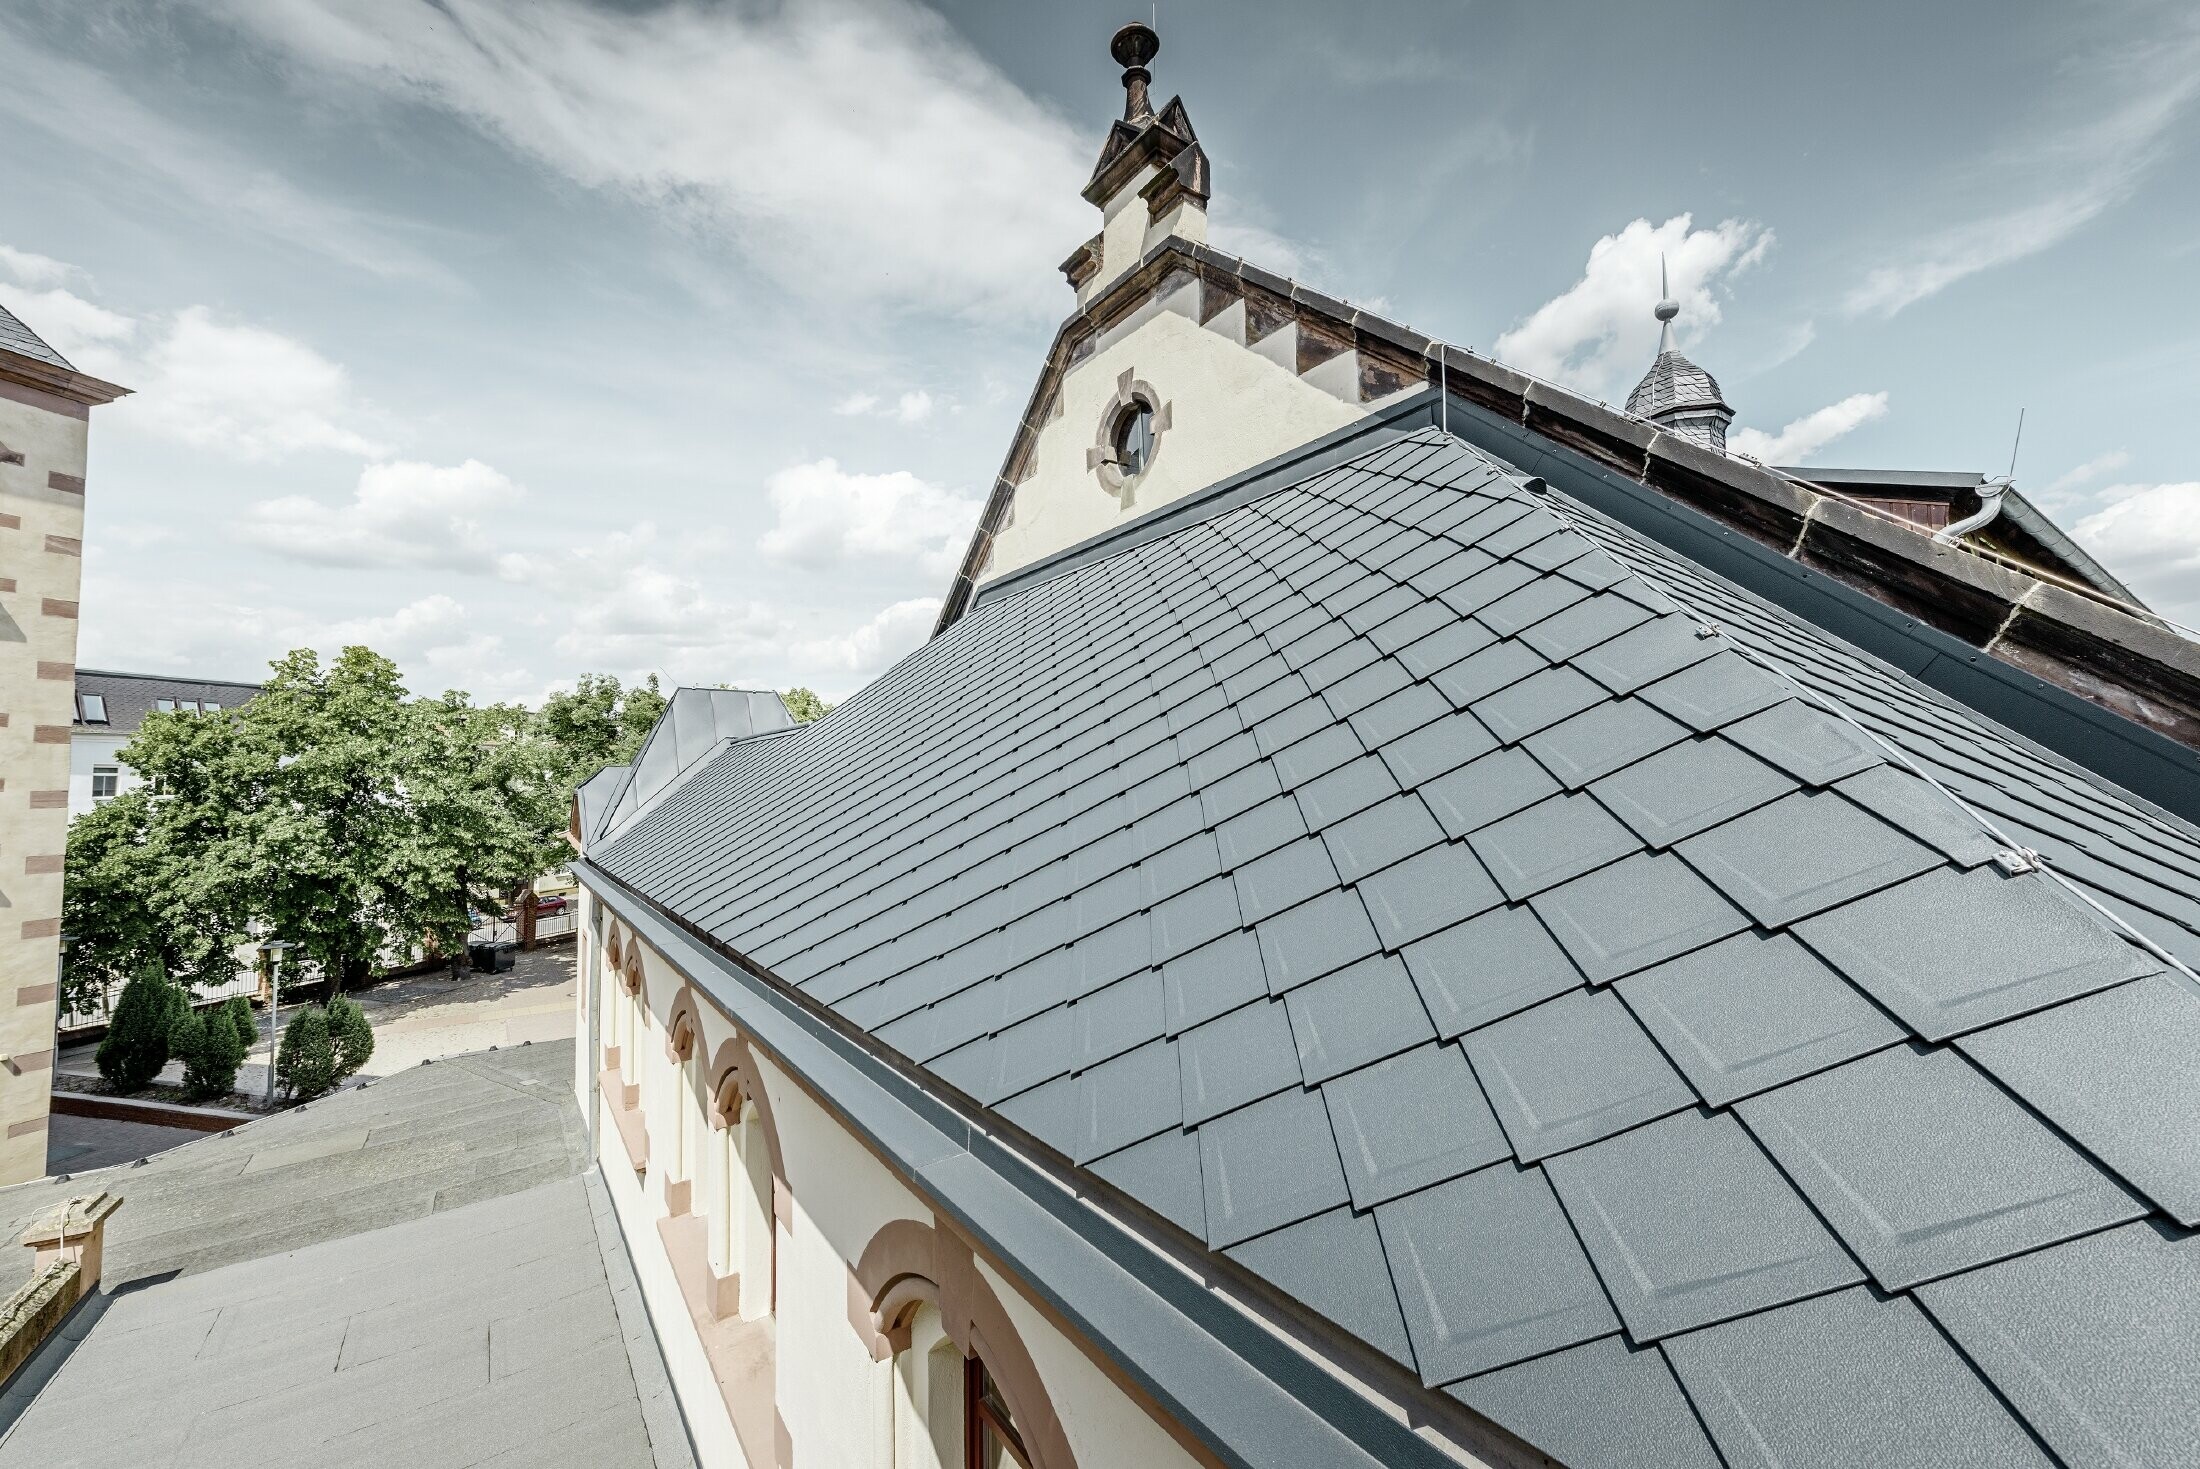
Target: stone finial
<point>1133,48</point>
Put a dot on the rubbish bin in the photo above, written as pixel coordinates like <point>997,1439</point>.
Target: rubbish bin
<point>502,956</point>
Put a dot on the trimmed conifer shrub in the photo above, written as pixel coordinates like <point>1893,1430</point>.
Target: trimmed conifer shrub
<point>244,1022</point>
<point>305,1063</point>
<point>351,1033</point>
<point>212,1051</point>
<point>136,1046</point>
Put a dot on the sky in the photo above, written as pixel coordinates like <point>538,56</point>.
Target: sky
<point>525,338</point>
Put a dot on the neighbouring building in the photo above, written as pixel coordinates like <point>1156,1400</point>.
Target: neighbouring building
<point>1406,917</point>
<point>109,708</point>
<point>45,421</point>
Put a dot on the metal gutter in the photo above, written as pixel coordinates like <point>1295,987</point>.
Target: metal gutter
<point>1247,1394</point>
<point>2152,768</point>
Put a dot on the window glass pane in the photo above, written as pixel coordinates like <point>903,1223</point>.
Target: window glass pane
<point>105,779</point>
<point>165,706</point>
<point>93,708</point>
<point>211,708</point>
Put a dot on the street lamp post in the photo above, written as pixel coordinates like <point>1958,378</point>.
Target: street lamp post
<point>271,954</point>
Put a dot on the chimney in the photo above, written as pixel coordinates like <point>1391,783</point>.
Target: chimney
<point>1151,182</point>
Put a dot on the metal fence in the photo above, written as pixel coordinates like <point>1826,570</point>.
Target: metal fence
<point>88,1011</point>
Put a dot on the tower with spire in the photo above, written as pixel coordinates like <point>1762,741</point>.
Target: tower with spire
<point>1675,393</point>
<point>1151,181</point>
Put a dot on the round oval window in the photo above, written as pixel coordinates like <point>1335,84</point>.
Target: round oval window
<point>1134,439</point>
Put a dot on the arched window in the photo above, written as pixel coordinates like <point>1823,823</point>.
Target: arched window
<point>928,1389</point>
<point>957,1388</point>
<point>741,1198</point>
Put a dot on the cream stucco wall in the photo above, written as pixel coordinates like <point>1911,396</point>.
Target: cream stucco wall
<point>833,1398</point>
<point>40,529</point>
<point>1230,407</point>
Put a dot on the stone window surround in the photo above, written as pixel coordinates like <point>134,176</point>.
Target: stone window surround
<point>741,1353</point>
<point>909,1263</point>
<point>1130,391</point>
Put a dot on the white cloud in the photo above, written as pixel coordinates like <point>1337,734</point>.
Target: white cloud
<point>2149,535</point>
<point>89,335</point>
<point>1800,441</point>
<point>246,391</point>
<point>2077,152</point>
<point>855,405</point>
<point>2078,476</point>
<point>403,515</point>
<point>1599,336</point>
<point>855,149</point>
<point>896,631</point>
<point>913,407</point>
<point>828,517</point>
<point>29,269</point>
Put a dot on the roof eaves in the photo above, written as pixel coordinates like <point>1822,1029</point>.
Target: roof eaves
<point>1249,1393</point>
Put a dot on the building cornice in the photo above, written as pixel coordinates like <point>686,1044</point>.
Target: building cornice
<point>61,382</point>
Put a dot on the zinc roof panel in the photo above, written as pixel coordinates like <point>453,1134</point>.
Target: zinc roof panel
<point>1601,739</point>
<point>1163,1174</point>
<point>1642,1416</point>
<point>1803,854</point>
<point>1690,1223</point>
<point>1268,1165</point>
<point>1635,913</point>
<point>1691,787</point>
<point>1712,694</point>
<point>1752,1012</point>
<point>1489,1272</point>
<point>1239,1058</point>
<point>1485,789</point>
<point>1573,1070</point>
<point>1536,702</point>
<point>1334,1264</point>
<point>1807,743</point>
<point>1925,1167</point>
<point>1211,981</point>
<point>1951,951</point>
<point>2115,1071</point>
<point>1582,627</point>
<point>1314,939</point>
<point>1357,1015</point>
<point>1424,894</point>
<point>1411,1121</point>
<point>1127,1100</point>
<point>1883,1388</point>
<point>2056,1331</point>
<point>1283,879</point>
<point>1381,835</point>
<point>1550,843</point>
<point>1489,671</point>
<point>1488,968</point>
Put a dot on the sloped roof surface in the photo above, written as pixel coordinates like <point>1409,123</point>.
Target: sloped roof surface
<point>1431,895</point>
<point>695,723</point>
<point>16,337</point>
<point>129,697</point>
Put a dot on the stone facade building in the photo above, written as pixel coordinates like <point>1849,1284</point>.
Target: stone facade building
<point>1405,917</point>
<point>45,420</point>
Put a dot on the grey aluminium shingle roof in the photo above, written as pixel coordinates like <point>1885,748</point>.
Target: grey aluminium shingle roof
<point>1228,866</point>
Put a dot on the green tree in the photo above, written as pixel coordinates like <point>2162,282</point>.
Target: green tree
<point>805,706</point>
<point>305,1063</point>
<point>136,1045</point>
<point>350,1033</point>
<point>598,723</point>
<point>212,1049</point>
